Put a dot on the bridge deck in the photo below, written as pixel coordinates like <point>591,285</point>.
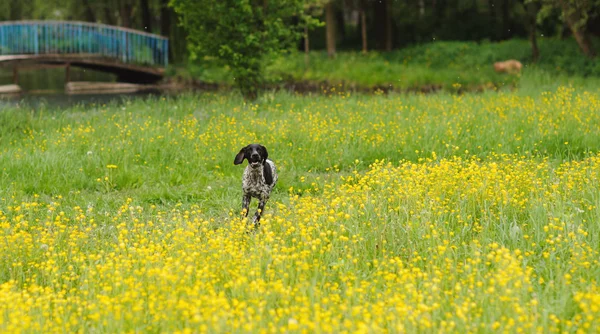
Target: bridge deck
<point>134,56</point>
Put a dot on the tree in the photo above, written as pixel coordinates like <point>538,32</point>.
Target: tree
<point>330,28</point>
<point>389,39</point>
<point>126,13</point>
<point>383,24</point>
<point>109,14</point>
<point>312,10</point>
<point>576,14</point>
<point>363,25</point>
<point>506,22</point>
<point>531,10</point>
<point>493,21</point>
<point>165,18</point>
<point>89,11</point>
<point>242,34</point>
<point>146,16</point>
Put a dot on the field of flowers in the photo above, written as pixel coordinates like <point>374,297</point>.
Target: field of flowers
<point>440,213</point>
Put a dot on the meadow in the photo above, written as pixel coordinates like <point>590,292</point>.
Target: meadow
<point>393,213</point>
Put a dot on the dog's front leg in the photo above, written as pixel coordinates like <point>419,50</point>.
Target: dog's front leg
<point>261,208</point>
<point>245,205</point>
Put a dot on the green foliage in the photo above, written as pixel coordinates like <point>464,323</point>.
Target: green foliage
<point>313,9</point>
<point>243,34</point>
<point>439,64</point>
<point>577,15</point>
<point>583,11</point>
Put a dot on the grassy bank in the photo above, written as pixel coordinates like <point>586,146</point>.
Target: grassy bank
<point>473,213</point>
<point>439,65</point>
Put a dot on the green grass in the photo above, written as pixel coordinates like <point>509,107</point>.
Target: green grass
<point>138,135</point>
<point>442,212</point>
<point>433,65</point>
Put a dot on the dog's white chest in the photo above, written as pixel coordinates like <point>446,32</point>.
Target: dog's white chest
<point>254,183</point>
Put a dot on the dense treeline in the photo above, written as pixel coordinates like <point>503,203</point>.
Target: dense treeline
<point>245,35</point>
<point>353,24</point>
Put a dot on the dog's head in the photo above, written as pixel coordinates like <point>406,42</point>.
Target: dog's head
<point>257,156</point>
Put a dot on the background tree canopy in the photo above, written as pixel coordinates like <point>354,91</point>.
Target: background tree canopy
<point>407,22</point>
<point>244,34</point>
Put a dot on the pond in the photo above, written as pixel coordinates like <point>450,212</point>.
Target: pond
<point>46,87</point>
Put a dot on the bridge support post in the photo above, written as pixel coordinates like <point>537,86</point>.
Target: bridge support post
<point>16,75</point>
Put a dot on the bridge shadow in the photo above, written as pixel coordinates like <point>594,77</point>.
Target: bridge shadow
<point>125,72</point>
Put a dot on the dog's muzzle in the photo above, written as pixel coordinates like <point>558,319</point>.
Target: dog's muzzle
<point>255,164</point>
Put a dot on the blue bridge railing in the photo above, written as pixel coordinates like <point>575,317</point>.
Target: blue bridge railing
<point>69,37</point>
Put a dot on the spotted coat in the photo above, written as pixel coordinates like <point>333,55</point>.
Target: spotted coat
<point>254,184</point>
<point>260,177</point>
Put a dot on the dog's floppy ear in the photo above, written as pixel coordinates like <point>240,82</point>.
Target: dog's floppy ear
<point>239,158</point>
<point>264,154</point>
<point>268,173</point>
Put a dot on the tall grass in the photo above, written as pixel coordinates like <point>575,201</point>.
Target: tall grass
<point>308,133</point>
<point>392,213</point>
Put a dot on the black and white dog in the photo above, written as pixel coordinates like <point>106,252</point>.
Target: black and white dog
<point>259,177</point>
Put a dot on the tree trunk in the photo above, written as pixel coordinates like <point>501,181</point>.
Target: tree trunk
<point>584,41</point>
<point>573,17</point>
<point>438,9</point>
<point>89,11</point>
<point>125,10</point>
<point>506,33</point>
<point>492,19</point>
<point>109,18</point>
<point>330,28</point>
<point>146,16</point>
<point>306,47</point>
<point>340,24</point>
<point>165,26</point>
<point>532,9</point>
<point>15,11</point>
<point>383,25</point>
<point>363,25</point>
<point>389,40</point>
<point>165,18</point>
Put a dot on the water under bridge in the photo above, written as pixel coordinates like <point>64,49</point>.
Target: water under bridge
<point>134,56</point>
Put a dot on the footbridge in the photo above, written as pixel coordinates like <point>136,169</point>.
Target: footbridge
<point>134,56</point>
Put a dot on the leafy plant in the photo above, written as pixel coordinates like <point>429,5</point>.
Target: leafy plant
<point>576,14</point>
<point>243,34</point>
